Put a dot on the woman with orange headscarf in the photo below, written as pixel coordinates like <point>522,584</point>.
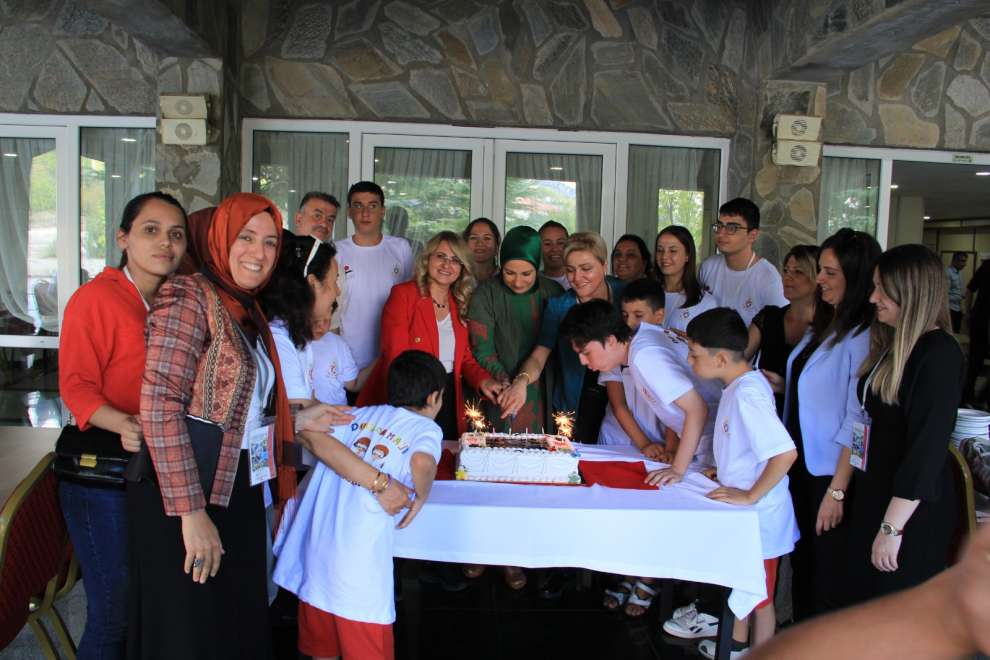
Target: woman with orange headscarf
<point>211,377</point>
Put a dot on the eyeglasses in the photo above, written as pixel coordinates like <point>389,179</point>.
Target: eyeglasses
<point>359,208</point>
<point>729,228</point>
<point>440,257</point>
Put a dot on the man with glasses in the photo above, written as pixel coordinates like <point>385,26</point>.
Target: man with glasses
<point>372,264</point>
<point>738,277</point>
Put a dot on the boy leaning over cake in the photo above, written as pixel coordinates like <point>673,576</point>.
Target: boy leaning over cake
<point>753,453</point>
<point>335,543</point>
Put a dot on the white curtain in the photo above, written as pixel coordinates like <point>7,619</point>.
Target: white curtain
<point>128,156</point>
<point>652,169</point>
<point>294,164</point>
<point>15,208</point>
<point>850,192</point>
<point>585,171</point>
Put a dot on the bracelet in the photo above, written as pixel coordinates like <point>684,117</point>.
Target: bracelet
<point>523,374</point>
<point>382,481</point>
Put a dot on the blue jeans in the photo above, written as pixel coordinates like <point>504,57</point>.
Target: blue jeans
<point>97,522</point>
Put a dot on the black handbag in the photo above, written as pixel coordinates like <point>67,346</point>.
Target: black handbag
<point>206,439</point>
<point>93,457</point>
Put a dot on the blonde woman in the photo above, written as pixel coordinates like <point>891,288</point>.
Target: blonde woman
<point>904,515</point>
<point>426,313</point>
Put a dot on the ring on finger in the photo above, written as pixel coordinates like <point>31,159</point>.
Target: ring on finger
<point>198,562</point>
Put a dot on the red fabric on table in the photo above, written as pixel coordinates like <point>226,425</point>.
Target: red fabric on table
<point>613,474</point>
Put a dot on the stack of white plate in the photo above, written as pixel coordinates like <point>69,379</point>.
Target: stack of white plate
<point>971,424</point>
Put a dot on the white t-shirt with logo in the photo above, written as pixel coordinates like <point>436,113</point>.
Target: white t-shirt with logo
<point>746,291</point>
<point>332,366</point>
<point>369,275</point>
<point>334,548</point>
<point>748,433</point>
<point>612,432</point>
<point>660,371</point>
<point>677,317</point>
<point>296,365</point>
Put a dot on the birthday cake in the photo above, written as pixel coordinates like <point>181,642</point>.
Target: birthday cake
<point>518,457</point>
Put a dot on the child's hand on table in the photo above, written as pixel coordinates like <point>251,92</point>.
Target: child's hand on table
<point>731,496</point>
<point>655,452</point>
<point>711,473</point>
<point>664,477</point>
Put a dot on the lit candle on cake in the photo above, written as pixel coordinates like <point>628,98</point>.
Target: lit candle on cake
<point>564,421</point>
<point>475,416</point>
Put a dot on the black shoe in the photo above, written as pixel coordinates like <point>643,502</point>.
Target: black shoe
<point>553,584</point>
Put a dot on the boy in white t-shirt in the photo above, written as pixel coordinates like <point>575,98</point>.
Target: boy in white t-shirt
<point>335,544</point>
<point>372,264</point>
<point>753,453</point>
<point>740,278</point>
<point>629,420</point>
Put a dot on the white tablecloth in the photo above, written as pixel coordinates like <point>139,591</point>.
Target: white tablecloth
<point>675,532</point>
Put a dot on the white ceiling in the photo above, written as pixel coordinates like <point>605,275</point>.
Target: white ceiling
<point>950,191</point>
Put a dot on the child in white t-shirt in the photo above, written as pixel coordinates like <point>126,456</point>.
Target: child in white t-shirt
<point>629,420</point>
<point>334,547</point>
<point>753,452</point>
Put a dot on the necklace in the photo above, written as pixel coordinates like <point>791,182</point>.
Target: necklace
<point>437,304</point>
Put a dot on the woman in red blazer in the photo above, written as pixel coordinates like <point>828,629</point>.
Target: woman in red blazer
<point>425,314</point>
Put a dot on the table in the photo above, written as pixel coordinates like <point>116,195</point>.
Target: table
<point>675,532</point>
<point>21,448</point>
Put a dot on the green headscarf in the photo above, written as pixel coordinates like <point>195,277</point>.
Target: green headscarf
<point>521,243</point>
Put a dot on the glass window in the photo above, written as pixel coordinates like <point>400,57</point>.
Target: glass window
<point>116,165</point>
<point>28,235</point>
<point>289,165</point>
<point>426,191</point>
<point>545,186</point>
<point>850,194</point>
<point>672,186</point>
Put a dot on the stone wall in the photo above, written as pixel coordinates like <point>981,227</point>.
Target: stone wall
<point>935,95</point>
<point>57,56</point>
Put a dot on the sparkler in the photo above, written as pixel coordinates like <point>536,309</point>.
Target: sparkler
<point>475,416</point>
<point>564,421</point>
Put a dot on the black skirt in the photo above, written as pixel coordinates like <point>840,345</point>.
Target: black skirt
<point>172,617</point>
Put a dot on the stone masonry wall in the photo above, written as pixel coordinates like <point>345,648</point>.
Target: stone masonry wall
<point>934,96</point>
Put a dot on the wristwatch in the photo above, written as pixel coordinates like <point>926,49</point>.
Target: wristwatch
<point>837,494</point>
<point>889,530</point>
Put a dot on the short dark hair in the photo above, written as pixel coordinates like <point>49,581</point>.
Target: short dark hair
<point>412,377</point>
<point>136,205</point>
<point>745,209</point>
<point>960,254</point>
<point>648,290</point>
<point>720,328</point>
<point>366,187</point>
<point>644,252</point>
<point>551,224</point>
<point>595,320</point>
<point>322,196</point>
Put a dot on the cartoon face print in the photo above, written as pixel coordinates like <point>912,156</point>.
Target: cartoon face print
<point>361,446</point>
<point>378,455</point>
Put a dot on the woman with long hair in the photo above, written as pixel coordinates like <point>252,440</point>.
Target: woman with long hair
<point>775,331</point>
<point>904,516</point>
<point>426,313</point>
<point>101,359</point>
<point>483,239</point>
<point>676,260</point>
<point>630,258</point>
<point>210,376</point>
<point>820,409</point>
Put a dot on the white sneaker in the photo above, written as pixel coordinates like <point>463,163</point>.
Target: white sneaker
<point>707,650</point>
<point>689,623</point>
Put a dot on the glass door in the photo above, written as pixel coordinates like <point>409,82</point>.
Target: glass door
<point>570,182</point>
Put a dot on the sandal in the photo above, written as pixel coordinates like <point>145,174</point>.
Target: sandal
<point>616,597</point>
<point>515,578</point>
<point>636,600</point>
<point>472,571</point>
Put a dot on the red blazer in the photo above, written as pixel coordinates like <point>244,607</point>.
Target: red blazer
<point>409,322</point>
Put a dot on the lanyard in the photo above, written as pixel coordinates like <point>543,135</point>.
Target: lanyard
<point>869,381</point>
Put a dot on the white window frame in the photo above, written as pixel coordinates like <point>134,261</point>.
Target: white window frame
<point>425,136</point>
<point>64,129</point>
<point>887,156</point>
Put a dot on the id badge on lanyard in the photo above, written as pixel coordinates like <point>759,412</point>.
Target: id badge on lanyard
<point>859,452</point>
<point>261,450</point>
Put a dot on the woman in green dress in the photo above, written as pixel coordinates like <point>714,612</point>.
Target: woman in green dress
<point>505,315</point>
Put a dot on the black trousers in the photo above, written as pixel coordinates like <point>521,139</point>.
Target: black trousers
<point>979,346</point>
<point>818,561</point>
<point>591,409</point>
<point>170,616</point>
<point>447,417</point>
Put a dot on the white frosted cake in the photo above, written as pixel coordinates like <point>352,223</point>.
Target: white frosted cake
<point>522,457</point>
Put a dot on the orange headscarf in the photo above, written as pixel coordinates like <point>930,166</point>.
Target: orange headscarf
<point>212,234</point>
